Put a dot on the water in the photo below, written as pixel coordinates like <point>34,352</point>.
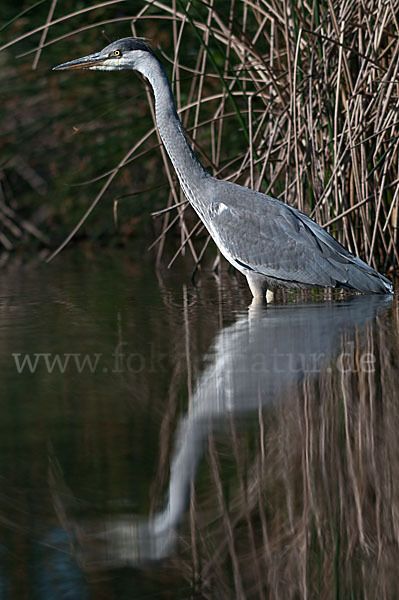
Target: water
<point>160,440</point>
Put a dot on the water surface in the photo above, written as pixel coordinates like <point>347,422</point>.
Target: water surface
<point>165,440</point>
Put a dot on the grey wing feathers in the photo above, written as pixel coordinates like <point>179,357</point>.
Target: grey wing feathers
<point>345,268</point>
<point>280,242</point>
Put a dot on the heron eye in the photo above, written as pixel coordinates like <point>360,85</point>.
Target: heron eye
<point>117,52</point>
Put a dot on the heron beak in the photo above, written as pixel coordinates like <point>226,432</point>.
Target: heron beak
<point>85,62</point>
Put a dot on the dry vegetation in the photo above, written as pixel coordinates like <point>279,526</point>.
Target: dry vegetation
<point>298,100</point>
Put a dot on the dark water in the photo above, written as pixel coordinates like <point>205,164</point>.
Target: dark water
<point>160,440</point>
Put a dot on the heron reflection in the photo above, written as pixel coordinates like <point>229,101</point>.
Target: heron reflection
<point>258,361</point>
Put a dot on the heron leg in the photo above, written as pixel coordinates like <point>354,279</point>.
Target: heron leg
<point>269,296</point>
<point>258,286</point>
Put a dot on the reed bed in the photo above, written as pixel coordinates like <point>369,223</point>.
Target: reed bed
<point>297,100</point>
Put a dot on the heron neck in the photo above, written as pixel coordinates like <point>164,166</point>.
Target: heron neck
<point>189,170</point>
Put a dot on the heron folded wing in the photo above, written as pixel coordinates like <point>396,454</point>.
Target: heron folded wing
<point>258,233</point>
<point>263,235</point>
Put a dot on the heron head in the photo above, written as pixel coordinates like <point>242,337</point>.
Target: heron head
<point>126,53</point>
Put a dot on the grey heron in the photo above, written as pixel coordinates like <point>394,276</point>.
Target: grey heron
<point>271,243</point>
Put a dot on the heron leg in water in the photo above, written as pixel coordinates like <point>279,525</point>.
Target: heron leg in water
<point>269,296</point>
<point>258,286</point>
